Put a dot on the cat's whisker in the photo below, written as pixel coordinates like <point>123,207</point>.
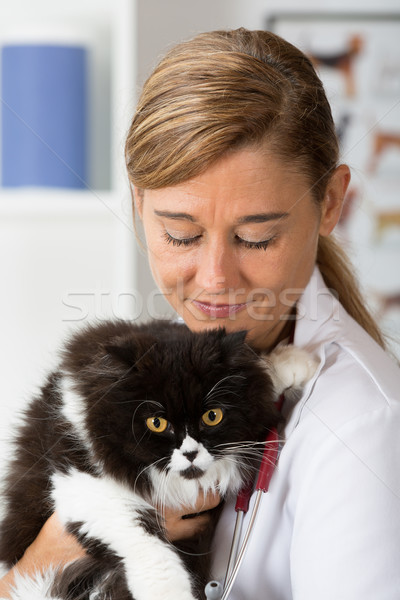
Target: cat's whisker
<point>237,451</point>
<point>247,466</point>
<point>138,442</point>
<point>248,457</point>
<point>251,442</point>
<point>146,400</point>
<point>144,469</point>
<point>222,393</point>
<point>220,398</point>
<point>187,553</point>
<point>228,377</point>
<point>242,454</point>
<point>234,447</point>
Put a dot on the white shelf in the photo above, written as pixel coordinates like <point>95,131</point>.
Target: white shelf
<point>107,28</point>
<point>110,29</point>
<point>63,248</point>
<point>43,202</point>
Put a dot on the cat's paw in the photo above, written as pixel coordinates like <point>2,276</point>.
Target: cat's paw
<point>290,367</point>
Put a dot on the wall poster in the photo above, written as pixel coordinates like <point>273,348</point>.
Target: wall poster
<point>357,57</point>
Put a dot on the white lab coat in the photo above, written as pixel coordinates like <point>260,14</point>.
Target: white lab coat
<point>329,528</point>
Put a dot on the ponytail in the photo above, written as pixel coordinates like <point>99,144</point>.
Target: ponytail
<point>338,275</point>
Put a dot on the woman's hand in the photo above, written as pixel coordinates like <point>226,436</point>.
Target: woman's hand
<point>180,524</point>
<point>53,547</point>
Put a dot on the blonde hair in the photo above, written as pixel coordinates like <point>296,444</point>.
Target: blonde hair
<point>225,90</point>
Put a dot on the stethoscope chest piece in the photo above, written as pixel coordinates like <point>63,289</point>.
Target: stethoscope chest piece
<point>214,590</point>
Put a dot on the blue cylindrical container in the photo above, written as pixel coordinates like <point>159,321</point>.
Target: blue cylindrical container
<point>44,115</point>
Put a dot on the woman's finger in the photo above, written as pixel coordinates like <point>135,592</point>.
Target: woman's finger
<point>186,522</point>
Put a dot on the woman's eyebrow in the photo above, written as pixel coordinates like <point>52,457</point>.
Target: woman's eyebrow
<point>175,215</point>
<point>262,217</point>
<point>256,218</point>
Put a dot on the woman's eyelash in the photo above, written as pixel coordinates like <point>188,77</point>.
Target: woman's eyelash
<point>261,245</point>
<point>180,241</point>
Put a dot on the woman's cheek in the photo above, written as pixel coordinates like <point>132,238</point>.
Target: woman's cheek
<point>171,269</point>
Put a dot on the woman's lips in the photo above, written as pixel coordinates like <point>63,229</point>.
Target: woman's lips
<point>218,311</point>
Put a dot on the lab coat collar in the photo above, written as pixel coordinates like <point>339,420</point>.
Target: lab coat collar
<point>322,320</point>
<point>319,315</point>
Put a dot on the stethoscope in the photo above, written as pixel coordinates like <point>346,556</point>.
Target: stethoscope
<point>214,590</point>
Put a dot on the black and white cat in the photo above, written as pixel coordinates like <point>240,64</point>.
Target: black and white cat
<point>139,417</point>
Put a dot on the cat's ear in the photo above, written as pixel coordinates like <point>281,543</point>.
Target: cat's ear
<point>130,350</point>
<point>290,367</point>
<point>234,340</point>
<point>235,350</point>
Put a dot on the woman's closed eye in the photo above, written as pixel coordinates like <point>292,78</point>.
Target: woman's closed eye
<point>192,240</point>
<point>257,244</point>
<point>185,240</point>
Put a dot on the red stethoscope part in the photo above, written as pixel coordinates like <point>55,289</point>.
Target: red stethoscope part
<point>267,467</point>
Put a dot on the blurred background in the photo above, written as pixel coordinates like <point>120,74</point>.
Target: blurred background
<point>70,74</point>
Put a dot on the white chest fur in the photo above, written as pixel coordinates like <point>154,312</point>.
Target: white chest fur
<point>111,513</point>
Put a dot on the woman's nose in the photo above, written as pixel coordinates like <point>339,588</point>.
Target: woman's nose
<point>217,270</point>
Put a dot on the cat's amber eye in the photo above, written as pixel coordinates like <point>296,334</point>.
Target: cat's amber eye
<point>157,424</point>
<point>212,417</point>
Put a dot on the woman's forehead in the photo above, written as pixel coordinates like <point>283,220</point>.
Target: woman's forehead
<point>245,182</point>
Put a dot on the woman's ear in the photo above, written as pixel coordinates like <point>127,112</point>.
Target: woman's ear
<point>333,200</point>
<point>137,195</point>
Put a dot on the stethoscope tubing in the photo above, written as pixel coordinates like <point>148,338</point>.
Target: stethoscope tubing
<point>235,546</point>
<point>237,564</point>
<point>236,556</point>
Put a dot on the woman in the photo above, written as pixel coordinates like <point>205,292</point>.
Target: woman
<point>233,158</point>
